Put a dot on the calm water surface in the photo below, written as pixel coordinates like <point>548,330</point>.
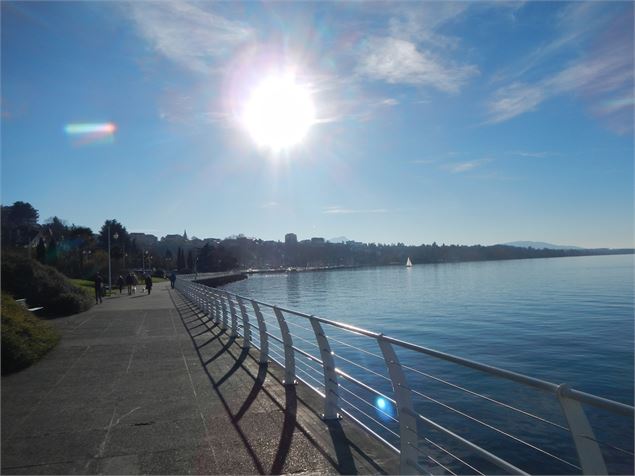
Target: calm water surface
<point>565,320</point>
<point>559,319</point>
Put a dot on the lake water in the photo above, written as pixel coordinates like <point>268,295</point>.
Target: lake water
<point>565,320</point>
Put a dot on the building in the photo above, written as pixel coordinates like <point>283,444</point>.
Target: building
<point>143,240</point>
<point>291,239</point>
<point>317,241</point>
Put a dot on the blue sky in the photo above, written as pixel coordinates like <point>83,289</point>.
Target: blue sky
<point>449,122</point>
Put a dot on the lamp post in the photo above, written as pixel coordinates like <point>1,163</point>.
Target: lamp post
<point>115,236</point>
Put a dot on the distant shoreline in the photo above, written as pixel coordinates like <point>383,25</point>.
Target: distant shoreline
<point>577,254</point>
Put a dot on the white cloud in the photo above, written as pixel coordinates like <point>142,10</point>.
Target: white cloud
<point>389,102</point>
<point>534,155</point>
<point>610,72</point>
<point>420,22</point>
<point>466,166</point>
<point>271,204</point>
<point>337,210</point>
<point>514,100</point>
<point>399,61</point>
<point>602,73</point>
<point>188,34</point>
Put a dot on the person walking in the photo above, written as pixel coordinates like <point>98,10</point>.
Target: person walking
<point>172,279</point>
<point>129,283</point>
<point>135,281</point>
<point>99,282</point>
<point>120,283</point>
<point>148,283</point>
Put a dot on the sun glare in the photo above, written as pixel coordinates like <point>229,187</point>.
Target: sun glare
<point>279,113</point>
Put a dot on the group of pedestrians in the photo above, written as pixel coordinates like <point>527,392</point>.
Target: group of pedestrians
<point>131,281</point>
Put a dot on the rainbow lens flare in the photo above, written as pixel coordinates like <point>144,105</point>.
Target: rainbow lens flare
<point>90,133</point>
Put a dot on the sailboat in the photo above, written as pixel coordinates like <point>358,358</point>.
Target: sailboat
<point>408,263</point>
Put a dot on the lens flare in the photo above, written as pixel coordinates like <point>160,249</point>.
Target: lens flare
<point>384,409</point>
<point>89,133</point>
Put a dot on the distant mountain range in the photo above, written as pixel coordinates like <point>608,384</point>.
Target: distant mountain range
<point>539,245</point>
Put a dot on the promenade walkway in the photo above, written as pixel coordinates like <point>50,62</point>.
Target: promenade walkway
<point>143,384</point>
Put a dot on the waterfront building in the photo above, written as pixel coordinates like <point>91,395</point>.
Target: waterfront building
<point>291,239</point>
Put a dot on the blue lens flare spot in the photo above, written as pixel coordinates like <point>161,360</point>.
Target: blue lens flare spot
<point>384,409</point>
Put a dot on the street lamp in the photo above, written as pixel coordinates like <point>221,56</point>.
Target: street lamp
<point>115,236</point>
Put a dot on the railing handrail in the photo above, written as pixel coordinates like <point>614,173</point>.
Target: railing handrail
<point>219,305</point>
<point>581,396</point>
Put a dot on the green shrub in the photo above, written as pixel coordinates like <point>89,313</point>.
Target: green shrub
<point>25,337</point>
<point>42,286</point>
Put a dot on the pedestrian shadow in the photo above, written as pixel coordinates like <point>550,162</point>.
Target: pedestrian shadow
<point>245,364</point>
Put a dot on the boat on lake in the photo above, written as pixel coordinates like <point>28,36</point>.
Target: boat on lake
<point>408,263</point>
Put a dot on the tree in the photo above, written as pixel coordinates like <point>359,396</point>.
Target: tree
<point>40,252</point>
<point>190,260</point>
<point>123,238</point>
<point>117,245</point>
<point>51,255</point>
<point>180,260</point>
<point>19,224</point>
<point>57,228</point>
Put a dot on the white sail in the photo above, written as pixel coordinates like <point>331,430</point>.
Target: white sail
<point>408,263</point>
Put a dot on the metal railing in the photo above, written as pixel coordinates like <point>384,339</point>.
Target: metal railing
<point>386,392</point>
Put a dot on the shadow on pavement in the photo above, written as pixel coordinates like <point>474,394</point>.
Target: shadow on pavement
<point>245,361</point>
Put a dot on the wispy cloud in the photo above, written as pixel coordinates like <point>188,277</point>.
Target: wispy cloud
<point>398,61</point>
<point>422,22</point>
<point>389,102</point>
<point>603,74</point>
<point>424,161</point>
<point>271,204</point>
<point>189,34</point>
<point>461,167</point>
<point>337,210</point>
<point>534,155</point>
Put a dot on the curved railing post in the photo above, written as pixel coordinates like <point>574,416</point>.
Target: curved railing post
<point>208,309</point>
<point>408,438</point>
<point>232,312</point>
<point>262,329</point>
<point>589,452</point>
<point>212,307</point>
<point>331,387</point>
<point>289,355</point>
<point>246,325</point>
<point>223,306</point>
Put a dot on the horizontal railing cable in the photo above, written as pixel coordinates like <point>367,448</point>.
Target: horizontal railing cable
<point>320,384</point>
<point>362,367</point>
<point>452,455</point>
<point>515,438</point>
<point>364,351</point>
<point>370,417</point>
<point>313,344</point>
<point>363,385</point>
<point>485,397</point>
<point>369,404</point>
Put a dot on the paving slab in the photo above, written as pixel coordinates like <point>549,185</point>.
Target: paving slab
<point>145,384</point>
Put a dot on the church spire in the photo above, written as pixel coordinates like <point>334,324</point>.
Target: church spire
<point>185,234</point>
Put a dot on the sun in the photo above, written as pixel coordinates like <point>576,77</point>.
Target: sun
<point>279,112</point>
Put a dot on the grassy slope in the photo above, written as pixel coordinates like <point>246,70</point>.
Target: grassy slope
<point>25,337</point>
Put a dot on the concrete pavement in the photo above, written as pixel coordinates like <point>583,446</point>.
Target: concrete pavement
<point>145,385</point>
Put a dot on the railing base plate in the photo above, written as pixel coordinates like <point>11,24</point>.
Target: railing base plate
<point>335,418</point>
